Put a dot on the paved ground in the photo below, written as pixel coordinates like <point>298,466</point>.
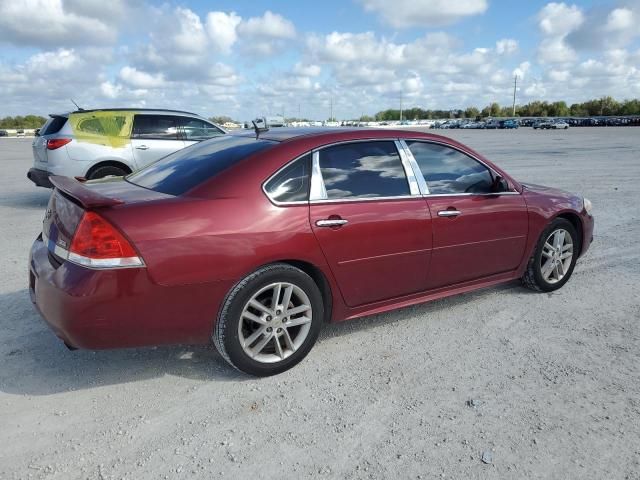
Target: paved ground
<point>554,378</point>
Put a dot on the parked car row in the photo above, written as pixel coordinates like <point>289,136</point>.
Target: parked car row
<point>550,125</point>
<point>468,124</point>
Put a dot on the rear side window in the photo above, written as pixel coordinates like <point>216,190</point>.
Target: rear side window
<point>448,171</point>
<point>185,169</point>
<point>291,184</point>
<point>53,125</point>
<point>363,170</point>
<point>158,127</point>
<point>195,129</point>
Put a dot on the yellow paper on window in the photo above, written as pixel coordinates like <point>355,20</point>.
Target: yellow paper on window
<point>111,128</point>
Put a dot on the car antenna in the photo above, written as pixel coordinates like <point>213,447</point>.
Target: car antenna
<point>80,109</point>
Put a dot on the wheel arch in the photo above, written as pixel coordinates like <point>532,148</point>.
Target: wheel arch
<point>108,163</point>
<point>576,221</point>
<point>321,281</point>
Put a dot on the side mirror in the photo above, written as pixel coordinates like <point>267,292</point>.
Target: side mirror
<point>499,185</point>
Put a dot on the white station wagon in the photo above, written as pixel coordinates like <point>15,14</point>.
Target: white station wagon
<point>99,143</point>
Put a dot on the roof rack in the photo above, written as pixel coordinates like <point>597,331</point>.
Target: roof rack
<point>133,109</point>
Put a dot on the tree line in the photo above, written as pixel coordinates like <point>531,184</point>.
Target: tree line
<point>28,121</point>
<point>591,108</point>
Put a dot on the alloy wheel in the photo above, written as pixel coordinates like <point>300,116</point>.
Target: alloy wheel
<point>557,254</point>
<point>275,322</point>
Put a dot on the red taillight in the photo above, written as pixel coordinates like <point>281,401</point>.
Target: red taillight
<point>97,243</point>
<point>54,143</point>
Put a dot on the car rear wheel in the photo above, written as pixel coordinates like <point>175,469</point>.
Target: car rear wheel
<point>554,258</point>
<point>106,171</point>
<point>270,320</point>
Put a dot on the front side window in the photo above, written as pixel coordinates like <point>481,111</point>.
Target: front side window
<point>195,129</point>
<point>448,171</point>
<point>291,184</point>
<point>363,170</point>
<point>155,127</point>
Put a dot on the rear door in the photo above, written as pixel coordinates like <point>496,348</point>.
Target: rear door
<point>154,137</point>
<point>476,233</point>
<point>373,226</point>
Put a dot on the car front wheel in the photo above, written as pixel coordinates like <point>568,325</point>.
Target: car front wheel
<point>554,258</point>
<point>270,320</point>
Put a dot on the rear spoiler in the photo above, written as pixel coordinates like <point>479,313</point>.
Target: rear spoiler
<point>87,197</point>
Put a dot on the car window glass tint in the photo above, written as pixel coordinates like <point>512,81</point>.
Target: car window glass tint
<point>363,170</point>
<point>196,129</point>
<point>155,127</point>
<point>185,169</point>
<point>448,171</point>
<point>291,184</point>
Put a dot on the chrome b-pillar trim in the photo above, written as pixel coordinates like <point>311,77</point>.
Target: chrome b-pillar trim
<point>317,190</point>
<point>414,188</point>
<point>422,184</point>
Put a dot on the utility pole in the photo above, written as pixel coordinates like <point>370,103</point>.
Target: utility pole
<point>515,86</point>
<point>400,105</point>
<point>331,115</point>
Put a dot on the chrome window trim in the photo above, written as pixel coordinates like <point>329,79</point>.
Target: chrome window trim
<point>364,199</point>
<point>275,202</point>
<point>443,144</point>
<point>414,189</point>
<point>422,183</point>
<point>318,190</point>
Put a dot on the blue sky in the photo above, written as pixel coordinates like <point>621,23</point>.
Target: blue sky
<point>245,59</point>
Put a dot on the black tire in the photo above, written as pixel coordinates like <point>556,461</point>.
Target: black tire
<point>106,171</point>
<point>532,277</point>
<point>225,333</point>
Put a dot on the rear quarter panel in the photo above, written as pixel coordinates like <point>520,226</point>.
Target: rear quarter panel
<point>190,241</point>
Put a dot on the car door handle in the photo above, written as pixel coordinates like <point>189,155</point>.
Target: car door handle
<point>332,222</point>
<point>449,213</point>
<point>142,147</point>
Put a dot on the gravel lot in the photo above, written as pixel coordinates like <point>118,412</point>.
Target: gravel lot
<point>546,384</point>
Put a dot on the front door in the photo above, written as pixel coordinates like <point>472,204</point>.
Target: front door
<point>476,231</point>
<point>154,137</point>
<point>375,235</point>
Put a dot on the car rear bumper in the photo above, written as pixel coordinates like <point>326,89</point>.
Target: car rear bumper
<point>39,177</point>
<point>115,308</point>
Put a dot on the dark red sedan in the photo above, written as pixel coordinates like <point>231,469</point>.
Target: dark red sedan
<point>253,242</point>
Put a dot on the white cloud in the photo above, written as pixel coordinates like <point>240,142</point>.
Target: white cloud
<point>270,25</point>
<point>110,90</point>
<point>221,28</point>
<point>559,19</point>
<point>307,70</point>
<point>347,47</point>
<point>45,23</point>
<point>138,79</point>
<point>556,22</point>
<point>60,60</point>
<point>620,19</point>
<point>506,46</point>
<point>424,13</point>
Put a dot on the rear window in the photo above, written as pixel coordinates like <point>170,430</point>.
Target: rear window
<point>185,169</point>
<point>53,125</point>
